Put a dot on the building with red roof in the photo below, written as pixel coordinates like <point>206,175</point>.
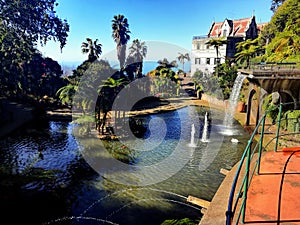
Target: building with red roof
<point>204,57</point>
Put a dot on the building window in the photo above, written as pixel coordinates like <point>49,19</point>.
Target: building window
<point>217,61</point>
<point>207,46</point>
<point>197,61</point>
<point>224,33</point>
<point>207,61</point>
<point>198,46</point>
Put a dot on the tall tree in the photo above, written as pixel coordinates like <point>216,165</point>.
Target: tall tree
<point>120,34</point>
<point>182,57</point>
<point>217,43</point>
<point>92,48</point>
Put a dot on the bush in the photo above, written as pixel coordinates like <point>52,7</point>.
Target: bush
<point>185,221</point>
<point>271,108</point>
<point>291,120</point>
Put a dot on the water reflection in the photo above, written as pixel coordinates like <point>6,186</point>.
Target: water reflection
<point>45,179</point>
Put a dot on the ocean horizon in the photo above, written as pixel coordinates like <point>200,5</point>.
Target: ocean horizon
<point>147,65</point>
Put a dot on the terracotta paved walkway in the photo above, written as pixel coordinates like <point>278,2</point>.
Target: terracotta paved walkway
<point>274,194</point>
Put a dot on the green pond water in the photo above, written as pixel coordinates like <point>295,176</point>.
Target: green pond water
<point>51,175</point>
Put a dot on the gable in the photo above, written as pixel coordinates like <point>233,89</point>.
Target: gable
<point>215,29</point>
<point>234,28</point>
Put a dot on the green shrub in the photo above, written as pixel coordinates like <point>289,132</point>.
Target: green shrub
<point>291,120</point>
<point>185,221</point>
<point>271,108</point>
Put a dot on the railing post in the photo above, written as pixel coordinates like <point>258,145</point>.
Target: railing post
<point>246,181</point>
<point>261,139</point>
<point>278,127</point>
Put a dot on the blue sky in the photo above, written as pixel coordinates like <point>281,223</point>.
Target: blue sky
<point>171,21</point>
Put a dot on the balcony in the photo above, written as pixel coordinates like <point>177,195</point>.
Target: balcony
<point>200,37</point>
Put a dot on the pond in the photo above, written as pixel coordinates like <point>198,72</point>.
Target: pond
<point>50,175</point>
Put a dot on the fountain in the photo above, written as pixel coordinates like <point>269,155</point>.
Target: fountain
<point>234,98</point>
<point>192,143</point>
<point>205,129</point>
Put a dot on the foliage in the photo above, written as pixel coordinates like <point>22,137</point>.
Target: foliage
<point>270,107</point>
<point>37,20</point>
<point>185,221</point>
<point>282,35</point>
<point>291,120</point>
<point>39,77</point>
<point>24,23</point>
<point>283,47</point>
<point>66,93</point>
<point>207,83</point>
<point>164,79</point>
<point>227,73</point>
<point>247,50</point>
<point>95,93</point>
<point>217,43</point>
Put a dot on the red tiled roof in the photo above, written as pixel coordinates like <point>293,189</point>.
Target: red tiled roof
<point>238,27</point>
<point>216,29</point>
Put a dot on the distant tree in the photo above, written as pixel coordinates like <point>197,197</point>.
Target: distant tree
<point>134,61</point>
<point>166,64</point>
<point>164,77</point>
<point>182,57</point>
<point>92,48</point>
<point>120,34</point>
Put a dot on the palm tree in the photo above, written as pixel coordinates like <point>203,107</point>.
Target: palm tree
<point>92,48</point>
<point>138,51</point>
<point>166,64</point>
<point>120,34</point>
<point>182,57</point>
<point>109,89</point>
<point>246,50</point>
<point>217,43</point>
<point>247,54</point>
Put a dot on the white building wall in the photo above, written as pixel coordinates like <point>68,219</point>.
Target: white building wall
<point>201,53</point>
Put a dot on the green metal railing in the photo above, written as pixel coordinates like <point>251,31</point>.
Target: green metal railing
<point>274,65</point>
<point>237,202</point>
